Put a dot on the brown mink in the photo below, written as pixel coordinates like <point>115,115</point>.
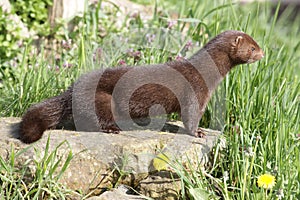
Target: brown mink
<point>121,98</point>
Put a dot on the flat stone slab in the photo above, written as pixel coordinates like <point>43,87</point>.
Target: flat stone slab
<point>97,155</point>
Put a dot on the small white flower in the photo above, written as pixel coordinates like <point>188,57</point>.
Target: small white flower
<point>226,176</point>
<point>249,152</point>
<point>280,194</point>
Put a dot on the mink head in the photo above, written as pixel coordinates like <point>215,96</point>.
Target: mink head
<point>243,49</point>
<point>239,46</point>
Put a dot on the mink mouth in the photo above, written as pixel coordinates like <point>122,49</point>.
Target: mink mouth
<point>251,61</point>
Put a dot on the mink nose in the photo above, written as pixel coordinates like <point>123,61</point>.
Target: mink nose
<point>262,53</point>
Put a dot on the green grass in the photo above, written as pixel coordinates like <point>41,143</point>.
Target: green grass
<point>261,100</point>
<point>21,182</point>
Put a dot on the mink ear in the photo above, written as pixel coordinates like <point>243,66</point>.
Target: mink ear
<point>238,40</point>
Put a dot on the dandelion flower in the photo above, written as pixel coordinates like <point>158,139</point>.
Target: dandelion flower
<point>266,181</point>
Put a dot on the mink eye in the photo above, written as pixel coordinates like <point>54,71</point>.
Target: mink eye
<point>252,48</point>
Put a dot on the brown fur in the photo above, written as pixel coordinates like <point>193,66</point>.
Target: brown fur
<point>186,93</point>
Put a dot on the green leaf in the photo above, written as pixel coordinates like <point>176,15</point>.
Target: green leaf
<point>199,193</point>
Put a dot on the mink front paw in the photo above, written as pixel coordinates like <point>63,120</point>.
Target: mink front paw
<point>111,129</point>
<point>200,133</point>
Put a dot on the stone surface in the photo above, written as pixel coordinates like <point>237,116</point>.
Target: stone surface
<point>99,157</point>
<point>118,193</point>
<point>161,185</point>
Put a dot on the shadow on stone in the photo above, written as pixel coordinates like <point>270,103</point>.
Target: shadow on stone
<point>14,130</point>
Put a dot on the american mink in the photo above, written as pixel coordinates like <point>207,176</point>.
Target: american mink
<point>104,100</point>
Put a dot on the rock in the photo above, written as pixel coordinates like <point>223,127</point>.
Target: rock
<point>118,193</point>
<point>66,10</point>
<point>160,185</point>
<point>103,160</point>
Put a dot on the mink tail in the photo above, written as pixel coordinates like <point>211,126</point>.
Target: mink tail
<point>45,115</point>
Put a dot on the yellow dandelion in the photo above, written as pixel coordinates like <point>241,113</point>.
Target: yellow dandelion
<point>266,181</point>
